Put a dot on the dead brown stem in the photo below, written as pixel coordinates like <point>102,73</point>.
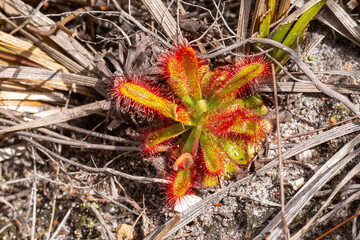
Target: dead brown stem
<point>336,227</point>
<point>18,59</point>
<point>281,178</point>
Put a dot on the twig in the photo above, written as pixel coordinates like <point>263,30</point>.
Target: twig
<point>56,232</point>
<point>292,54</point>
<point>222,17</point>
<point>137,23</point>
<point>61,24</point>
<point>281,177</point>
<point>53,205</point>
<point>205,32</point>
<point>5,227</point>
<point>300,163</point>
<point>52,30</point>
<point>342,204</point>
<point>75,143</point>
<point>333,229</point>
<point>116,203</point>
<point>61,139</point>
<point>33,13</point>
<point>34,190</point>
<point>68,126</point>
<point>134,224</point>
<point>60,183</point>
<point>114,24</point>
<point>252,55</point>
<point>281,66</point>
<point>346,190</point>
<point>104,170</point>
<point>17,195</point>
<point>101,220</point>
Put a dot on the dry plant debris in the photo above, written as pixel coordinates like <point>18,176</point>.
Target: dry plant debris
<point>70,165</point>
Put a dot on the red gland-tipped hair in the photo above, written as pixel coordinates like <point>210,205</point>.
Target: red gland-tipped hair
<point>181,183</point>
<point>241,79</point>
<point>180,67</point>
<point>237,122</point>
<point>212,155</point>
<point>161,139</point>
<point>134,93</point>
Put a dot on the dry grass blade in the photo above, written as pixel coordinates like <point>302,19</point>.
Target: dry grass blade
<point>66,42</point>
<point>335,17</point>
<point>76,143</point>
<point>304,195</point>
<point>350,73</point>
<point>21,72</point>
<point>29,51</point>
<point>52,52</point>
<point>51,83</point>
<point>194,211</point>
<point>162,17</point>
<point>108,233</point>
<point>283,7</point>
<point>301,87</point>
<point>26,106</point>
<point>59,117</point>
<point>259,8</point>
<point>337,207</point>
<point>49,86</point>
<point>47,79</point>
<point>350,25</point>
<point>244,12</point>
<point>33,96</point>
<point>67,215</point>
<point>309,224</point>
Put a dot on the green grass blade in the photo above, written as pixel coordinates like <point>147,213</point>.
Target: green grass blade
<point>293,46</point>
<point>299,27</point>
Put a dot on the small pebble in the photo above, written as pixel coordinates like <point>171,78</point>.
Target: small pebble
<point>297,183</point>
<point>304,156</point>
<point>124,231</point>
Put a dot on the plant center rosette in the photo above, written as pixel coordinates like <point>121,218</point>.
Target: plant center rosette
<point>213,124</point>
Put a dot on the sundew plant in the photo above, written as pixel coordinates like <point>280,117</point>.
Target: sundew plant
<point>211,124</point>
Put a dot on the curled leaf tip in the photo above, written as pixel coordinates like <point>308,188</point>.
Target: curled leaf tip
<point>182,161</point>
